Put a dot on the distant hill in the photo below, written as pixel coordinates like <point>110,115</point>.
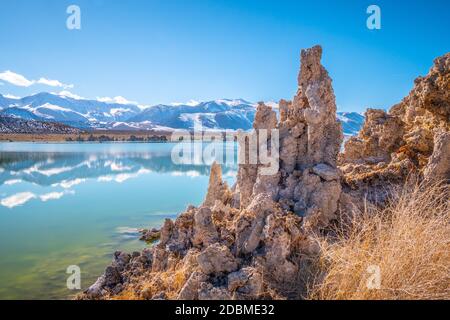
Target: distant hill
<point>17,125</point>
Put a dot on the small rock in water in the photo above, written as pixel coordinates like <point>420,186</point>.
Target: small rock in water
<point>150,236</point>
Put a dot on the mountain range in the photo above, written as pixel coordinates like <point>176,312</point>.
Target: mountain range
<point>93,114</point>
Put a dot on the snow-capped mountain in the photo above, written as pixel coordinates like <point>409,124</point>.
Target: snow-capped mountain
<point>92,114</point>
<point>218,114</point>
<point>352,122</point>
<point>75,112</point>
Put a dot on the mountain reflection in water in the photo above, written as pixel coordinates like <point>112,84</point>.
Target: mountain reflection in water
<point>75,204</point>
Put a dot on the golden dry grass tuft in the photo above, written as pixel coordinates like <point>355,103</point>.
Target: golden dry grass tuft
<point>408,242</point>
<point>169,282</point>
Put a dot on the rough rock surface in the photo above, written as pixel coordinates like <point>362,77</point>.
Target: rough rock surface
<point>411,137</point>
<point>261,227</point>
<point>217,259</point>
<point>438,167</point>
<point>254,240</point>
<point>310,137</point>
<point>217,189</point>
<point>150,235</point>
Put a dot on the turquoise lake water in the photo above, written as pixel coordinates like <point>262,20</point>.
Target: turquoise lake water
<point>67,204</point>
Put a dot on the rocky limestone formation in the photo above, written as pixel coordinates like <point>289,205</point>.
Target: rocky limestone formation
<point>411,137</point>
<point>245,242</point>
<point>380,136</point>
<point>438,167</point>
<point>224,248</point>
<point>249,177</point>
<point>217,259</point>
<point>308,181</point>
<point>254,241</point>
<point>245,283</point>
<point>217,189</point>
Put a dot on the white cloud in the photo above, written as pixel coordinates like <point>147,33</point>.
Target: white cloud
<point>51,196</point>
<point>54,195</point>
<point>10,96</point>
<point>67,184</point>
<point>54,83</point>
<point>190,173</point>
<point>17,199</point>
<point>119,167</point>
<point>118,99</point>
<point>191,103</point>
<point>122,177</point>
<point>125,176</point>
<point>15,79</point>
<point>47,172</point>
<point>105,179</point>
<point>69,94</point>
<point>13,181</point>
<point>21,81</point>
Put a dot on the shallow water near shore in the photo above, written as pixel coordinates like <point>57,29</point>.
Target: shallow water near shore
<point>64,204</point>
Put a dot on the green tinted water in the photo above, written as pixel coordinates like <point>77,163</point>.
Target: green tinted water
<point>75,204</point>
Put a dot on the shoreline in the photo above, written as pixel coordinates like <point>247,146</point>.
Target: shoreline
<point>97,136</point>
<point>92,136</point>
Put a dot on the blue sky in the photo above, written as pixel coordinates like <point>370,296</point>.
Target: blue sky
<point>153,51</point>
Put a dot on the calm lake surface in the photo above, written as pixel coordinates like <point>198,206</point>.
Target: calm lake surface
<point>65,204</point>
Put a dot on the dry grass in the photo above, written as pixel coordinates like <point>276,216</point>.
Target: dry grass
<point>408,241</point>
<point>169,282</point>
